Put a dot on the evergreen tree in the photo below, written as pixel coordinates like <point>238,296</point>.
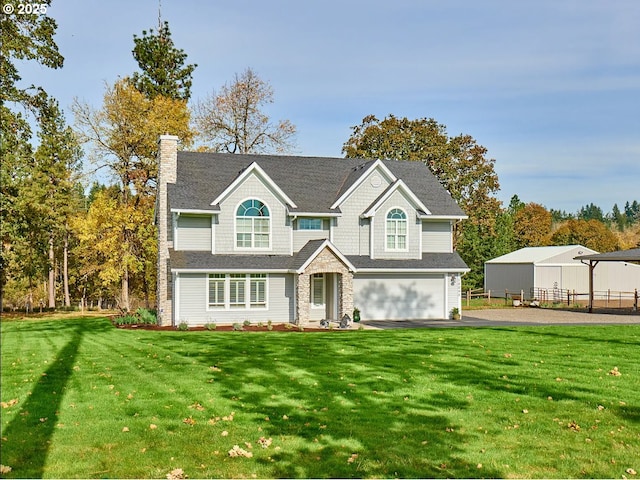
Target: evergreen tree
<point>163,65</point>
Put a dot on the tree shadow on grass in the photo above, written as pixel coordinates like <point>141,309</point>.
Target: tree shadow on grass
<point>350,410</point>
<point>29,434</point>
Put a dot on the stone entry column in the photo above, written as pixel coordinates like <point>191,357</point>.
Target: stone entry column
<point>325,262</point>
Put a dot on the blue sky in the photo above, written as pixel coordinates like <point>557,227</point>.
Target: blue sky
<point>550,87</point>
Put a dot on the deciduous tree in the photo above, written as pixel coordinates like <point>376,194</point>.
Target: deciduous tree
<point>589,233</point>
<point>233,120</point>
<point>532,226</point>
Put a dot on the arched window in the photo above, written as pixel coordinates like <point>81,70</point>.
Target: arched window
<point>252,225</point>
<point>396,229</point>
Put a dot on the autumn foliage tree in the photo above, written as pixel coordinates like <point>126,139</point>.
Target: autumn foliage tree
<point>234,121</point>
<point>532,226</point>
<point>589,233</point>
<point>124,135</point>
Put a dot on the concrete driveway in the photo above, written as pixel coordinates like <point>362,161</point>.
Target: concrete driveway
<point>504,317</point>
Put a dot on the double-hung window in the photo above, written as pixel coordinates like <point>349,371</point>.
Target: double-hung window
<point>258,289</point>
<point>216,290</point>
<point>252,225</point>
<point>396,229</point>
<point>237,283</point>
<point>237,290</point>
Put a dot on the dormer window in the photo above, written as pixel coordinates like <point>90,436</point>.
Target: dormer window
<point>396,229</point>
<point>252,225</point>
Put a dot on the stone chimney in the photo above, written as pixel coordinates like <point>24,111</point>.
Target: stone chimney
<point>167,173</point>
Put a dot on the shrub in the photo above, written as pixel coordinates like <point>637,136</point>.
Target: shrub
<point>269,327</point>
<point>147,317</point>
<point>126,320</point>
<point>183,326</point>
<point>210,326</point>
<point>288,326</point>
<point>246,323</point>
<point>237,327</point>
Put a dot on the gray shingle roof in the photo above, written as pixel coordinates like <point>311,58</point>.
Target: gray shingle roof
<point>313,183</point>
<point>193,260</point>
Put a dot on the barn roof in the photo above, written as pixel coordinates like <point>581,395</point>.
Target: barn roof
<point>539,254</point>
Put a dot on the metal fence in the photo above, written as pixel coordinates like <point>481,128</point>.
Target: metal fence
<point>601,298</point>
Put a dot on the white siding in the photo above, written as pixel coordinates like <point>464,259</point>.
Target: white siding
<point>346,235</point>
<point>436,237</point>
<point>399,296</point>
<point>191,305</point>
<point>301,237</point>
<point>194,232</point>
<point>253,187</point>
<point>454,292</point>
<point>397,200</point>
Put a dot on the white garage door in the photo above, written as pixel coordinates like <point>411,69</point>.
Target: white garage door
<point>399,297</point>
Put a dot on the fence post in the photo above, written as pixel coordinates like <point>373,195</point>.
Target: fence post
<point>635,300</point>
<point>489,296</point>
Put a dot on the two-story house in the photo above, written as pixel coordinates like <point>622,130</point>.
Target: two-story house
<point>299,239</point>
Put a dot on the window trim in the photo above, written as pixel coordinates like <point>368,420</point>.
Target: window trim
<point>244,279</point>
<point>395,234</point>
<point>253,231</point>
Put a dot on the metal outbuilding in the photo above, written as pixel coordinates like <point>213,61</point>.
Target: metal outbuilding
<point>556,268</point>
<point>632,255</point>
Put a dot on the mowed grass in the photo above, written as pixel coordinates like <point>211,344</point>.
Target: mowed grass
<point>83,399</point>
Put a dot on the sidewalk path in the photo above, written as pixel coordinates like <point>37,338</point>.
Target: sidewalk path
<point>505,317</point>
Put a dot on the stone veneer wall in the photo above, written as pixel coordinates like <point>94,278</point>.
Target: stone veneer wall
<point>167,172</point>
<point>325,262</point>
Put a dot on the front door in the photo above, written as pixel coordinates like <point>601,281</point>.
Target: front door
<point>324,296</point>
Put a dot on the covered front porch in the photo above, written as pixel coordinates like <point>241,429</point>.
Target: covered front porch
<point>324,287</point>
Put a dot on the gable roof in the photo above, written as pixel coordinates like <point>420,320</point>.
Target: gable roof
<point>311,250</point>
<point>539,254</point>
<point>313,184</point>
<point>394,187</point>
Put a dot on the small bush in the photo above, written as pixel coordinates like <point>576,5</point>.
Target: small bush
<point>260,324</point>
<point>237,327</point>
<point>269,323</point>
<point>147,317</point>
<point>126,320</point>
<point>269,327</point>
<point>183,326</point>
<point>288,326</point>
<point>246,323</point>
<point>210,326</point>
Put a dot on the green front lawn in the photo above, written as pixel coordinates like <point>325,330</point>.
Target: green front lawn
<point>83,399</point>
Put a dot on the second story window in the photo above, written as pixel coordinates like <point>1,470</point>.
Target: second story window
<point>310,224</point>
<point>252,225</point>
<point>396,229</point>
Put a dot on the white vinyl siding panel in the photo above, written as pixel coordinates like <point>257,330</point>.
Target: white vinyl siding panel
<point>413,229</point>
<point>194,232</point>
<point>346,233</point>
<point>436,237</point>
<point>301,237</point>
<point>396,296</point>
<point>192,306</point>
<point>454,292</point>
<point>253,188</point>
